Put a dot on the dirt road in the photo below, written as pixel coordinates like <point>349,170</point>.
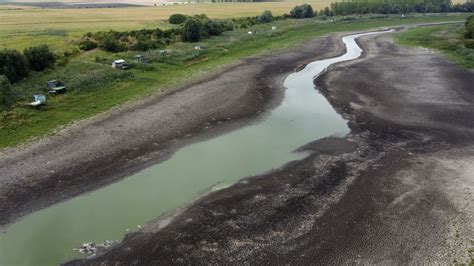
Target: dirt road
<point>398,189</point>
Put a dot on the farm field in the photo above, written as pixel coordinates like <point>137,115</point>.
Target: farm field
<point>58,26</point>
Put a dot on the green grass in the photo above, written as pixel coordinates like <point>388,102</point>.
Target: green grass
<point>447,38</point>
<point>21,123</point>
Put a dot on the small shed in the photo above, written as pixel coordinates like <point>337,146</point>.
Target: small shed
<point>56,87</point>
<point>140,58</point>
<point>118,63</point>
<point>38,100</point>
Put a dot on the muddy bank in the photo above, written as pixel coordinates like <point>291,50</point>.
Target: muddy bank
<point>106,149</point>
<point>398,189</point>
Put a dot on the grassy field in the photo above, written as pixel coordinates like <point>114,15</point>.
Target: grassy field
<point>94,89</point>
<point>447,38</point>
<point>57,27</point>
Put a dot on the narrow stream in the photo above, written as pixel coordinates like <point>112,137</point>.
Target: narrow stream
<point>47,237</point>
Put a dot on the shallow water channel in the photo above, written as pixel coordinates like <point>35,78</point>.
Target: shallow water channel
<point>47,237</point>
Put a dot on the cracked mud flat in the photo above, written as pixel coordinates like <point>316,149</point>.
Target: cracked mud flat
<point>398,189</point>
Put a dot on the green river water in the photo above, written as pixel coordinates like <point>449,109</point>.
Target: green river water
<point>47,237</point>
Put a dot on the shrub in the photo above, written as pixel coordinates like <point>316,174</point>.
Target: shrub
<point>177,19</point>
<point>469,44</point>
<point>7,94</point>
<point>145,45</point>
<point>227,25</point>
<point>158,33</point>
<point>470,27</point>
<point>87,45</point>
<point>213,28</point>
<point>265,17</point>
<point>111,44</point>
<point>13,65</point>
<point>39,57</point>
<point>191,30</point>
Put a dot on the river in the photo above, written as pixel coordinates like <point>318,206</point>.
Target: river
<point>48,236</point>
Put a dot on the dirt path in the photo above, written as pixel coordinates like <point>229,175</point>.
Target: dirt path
<point>117,144</point>
<point>398,189</point>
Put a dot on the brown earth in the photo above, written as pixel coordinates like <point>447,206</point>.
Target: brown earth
<point>398,189</point>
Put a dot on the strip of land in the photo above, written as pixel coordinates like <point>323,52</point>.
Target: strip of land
<point>398,189</point>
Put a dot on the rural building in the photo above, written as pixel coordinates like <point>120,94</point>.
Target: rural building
<point>118,63</point>
<point>56,87</point>
<point>38,100</point>
<point>140,58</point>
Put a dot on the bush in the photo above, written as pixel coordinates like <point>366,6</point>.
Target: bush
<point>192,30</point>
<point>213,28</point>
<point>13,65</point>
<point>469,44</point>
<point>7,94</point>
<point>87,45</point>
<point>227,25</point>
<point>111,44</point>
<point>265,17</point>
<point>145,45</point>
<point>177,19</point>
<point>470,27</point>
<point>39,57</point>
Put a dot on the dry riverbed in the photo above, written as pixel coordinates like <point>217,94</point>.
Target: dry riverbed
<point>124,141</point>
<point>398,189</point>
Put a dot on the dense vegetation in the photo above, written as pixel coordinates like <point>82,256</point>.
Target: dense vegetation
<point>398,6</point>
<point>303,11</point>
<point>190,29</point>
<point>470,28</point>
<point>39,57</point>
<point>15,66</point>
<point>7,94</point>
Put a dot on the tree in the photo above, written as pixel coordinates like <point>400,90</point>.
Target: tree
<point>265,17</point>
<point>327,12</point>
<point>7,94</point>
<point>177,19</point>
<point>297,12</point>
<point>13,65</point>
<point>213,28</point>
<point>307,11</point>
<point>192,30</point>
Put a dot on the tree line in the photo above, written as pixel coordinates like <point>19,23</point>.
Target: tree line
<point>398,6</point>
